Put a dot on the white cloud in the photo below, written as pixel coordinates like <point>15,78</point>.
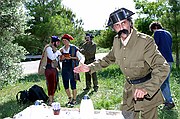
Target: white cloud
<point>95,13</point>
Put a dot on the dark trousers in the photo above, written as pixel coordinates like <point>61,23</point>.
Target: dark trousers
<point>68,75</point>
<point>94,79</point>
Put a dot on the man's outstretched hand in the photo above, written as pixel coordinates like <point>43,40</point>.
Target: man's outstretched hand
<point>81,68</point>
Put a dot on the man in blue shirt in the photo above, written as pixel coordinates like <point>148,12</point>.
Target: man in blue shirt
<point>163,40</point>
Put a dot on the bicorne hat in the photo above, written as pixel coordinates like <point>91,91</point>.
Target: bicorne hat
<point>119,15</point>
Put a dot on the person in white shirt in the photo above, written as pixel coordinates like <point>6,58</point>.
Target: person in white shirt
<point>50,61</point>
<point>70,59</point>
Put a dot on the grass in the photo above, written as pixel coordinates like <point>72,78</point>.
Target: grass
<point>108,97</point>
<point>102,50</point>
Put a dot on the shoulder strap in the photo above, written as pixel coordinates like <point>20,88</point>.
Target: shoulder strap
<point>73,51</point>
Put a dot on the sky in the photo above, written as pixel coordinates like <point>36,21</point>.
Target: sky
<point>95,13</point>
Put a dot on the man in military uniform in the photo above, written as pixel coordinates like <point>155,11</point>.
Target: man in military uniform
<point>88,49</point>
<point>144,67</point>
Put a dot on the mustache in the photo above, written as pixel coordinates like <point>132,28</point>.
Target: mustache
<point>125,31</point>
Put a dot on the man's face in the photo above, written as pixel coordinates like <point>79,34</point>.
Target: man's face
<point>87,38</point>
<point>65,42</point>
<point>57,43</point>
<point>123,28</point>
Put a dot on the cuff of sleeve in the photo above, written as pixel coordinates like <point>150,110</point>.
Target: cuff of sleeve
<point>150,94</point>
<point>58,52</point>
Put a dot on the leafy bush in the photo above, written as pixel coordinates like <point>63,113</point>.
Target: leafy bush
<point>105,39</point>
<point>12,24</point>
<point>10,56</point>
<point>111,71</point>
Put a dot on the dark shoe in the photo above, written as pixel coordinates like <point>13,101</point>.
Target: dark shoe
<point>95,89</point>
<point>168,106</point>
<point>86,89</point>
<point>72,103</point>
<point>68,103</point>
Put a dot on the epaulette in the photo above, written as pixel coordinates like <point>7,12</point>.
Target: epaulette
<point>143,36</point>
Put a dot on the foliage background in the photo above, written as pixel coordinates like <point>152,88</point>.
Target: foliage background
<point>11,25</point>
<point>48,18</point>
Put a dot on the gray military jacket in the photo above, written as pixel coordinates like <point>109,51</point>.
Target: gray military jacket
<point>138,58</point>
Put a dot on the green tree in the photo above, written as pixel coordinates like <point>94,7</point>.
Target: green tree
<point>167,12</point>
<point>105,39</point>
<point>171,21</point>
<point>147,12</point>
<point>49,18</point>
<point>142,24</point>
<point>11,25</point>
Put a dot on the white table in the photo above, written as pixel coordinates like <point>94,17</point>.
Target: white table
<point>46,112</point>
